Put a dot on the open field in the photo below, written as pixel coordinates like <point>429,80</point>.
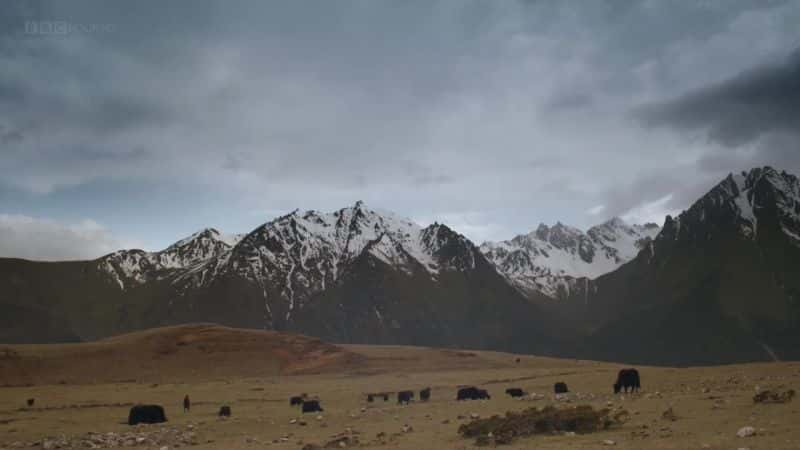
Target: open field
<point>89,388</point>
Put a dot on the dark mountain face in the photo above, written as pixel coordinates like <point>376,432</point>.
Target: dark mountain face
<point>354,275</point>
<point>718,284</point>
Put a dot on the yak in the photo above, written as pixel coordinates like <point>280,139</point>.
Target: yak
<point>146,414</point>
<point>310,406</point>
<point>405,397</point>
<point>627,379</point>
<point>560,388</point>
<point>515,392</point>
<point>472,393</point>
<point>425,394</point>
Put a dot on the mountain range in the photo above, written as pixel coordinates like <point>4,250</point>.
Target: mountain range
<point>714,284</point>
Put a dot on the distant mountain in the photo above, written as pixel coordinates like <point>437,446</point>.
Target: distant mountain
<point>717,284</point>
<point>555,260</point>
<point>353,275</point>
<point>720,283</point>
<point>133,267</point>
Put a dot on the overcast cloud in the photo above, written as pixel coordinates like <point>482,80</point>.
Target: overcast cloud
<point>156,119</point>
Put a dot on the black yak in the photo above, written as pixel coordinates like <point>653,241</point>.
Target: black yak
<point>425,394</point>
<point>310,406</point>
<point>560,388</point>
<point>146,414</point>
<point>627,379</point>
<point>405,396</point>
<point>224,411</point>
<point>296,400</point>
<point>472,393</point>
<point>515,392</point>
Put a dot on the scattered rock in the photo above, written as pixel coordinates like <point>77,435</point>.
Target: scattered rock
<point>746,432</point>
<point>669,414</point>
<point>609,442</point>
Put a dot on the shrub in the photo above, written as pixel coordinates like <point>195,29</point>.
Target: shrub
<point>531,421</point>
<point>774,396</point>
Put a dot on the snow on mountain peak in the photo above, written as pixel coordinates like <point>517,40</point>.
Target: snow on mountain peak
<point>549,259</point>
<point>300,254</point>
<point>127,267</point>
<point>743,200</point>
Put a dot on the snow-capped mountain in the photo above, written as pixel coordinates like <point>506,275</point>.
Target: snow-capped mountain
<point>549,260</point>
<point>352,275</point>
<point>131,267</point>
<point>298,255</point>
<point>743,199</point>
<point>723,273</point>
<point>302,253</point>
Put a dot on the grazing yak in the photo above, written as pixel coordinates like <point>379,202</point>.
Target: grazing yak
<point>515,392</point>
<point>296,400</point>
<point>146,414</point>
<point>425,394</point>
<point>31,401</point>
<point>472,393</point>
<point>224,411</point>
<point>310,406</point>
<point>560,388</point>
<point>627,379</point>
<point>405,397</point>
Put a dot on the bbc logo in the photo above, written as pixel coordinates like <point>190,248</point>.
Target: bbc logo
<point>62,27</point>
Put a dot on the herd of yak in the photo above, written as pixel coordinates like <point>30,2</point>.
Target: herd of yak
<point>627,381</point>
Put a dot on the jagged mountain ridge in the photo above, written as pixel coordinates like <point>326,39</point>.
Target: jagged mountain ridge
<point>552,260</point>
<point>353,275</point>
<point>131,267</point>
<point>308,248</point>
<point>739,200</point>
<point>302,254</point>
<point>718,284</point>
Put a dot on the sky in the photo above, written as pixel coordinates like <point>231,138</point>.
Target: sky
<point>134,124</point>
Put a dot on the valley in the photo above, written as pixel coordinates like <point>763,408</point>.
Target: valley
<point>710,404</point>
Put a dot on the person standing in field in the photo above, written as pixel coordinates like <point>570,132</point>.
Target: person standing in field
<point>187,404</point>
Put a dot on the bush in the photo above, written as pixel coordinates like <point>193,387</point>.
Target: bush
<point>549,420</point>
<point>774,396</point>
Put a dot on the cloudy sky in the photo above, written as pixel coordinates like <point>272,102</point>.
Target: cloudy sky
<point>132,124</point>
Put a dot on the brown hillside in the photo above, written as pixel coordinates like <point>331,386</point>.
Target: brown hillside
<point>178,353</point>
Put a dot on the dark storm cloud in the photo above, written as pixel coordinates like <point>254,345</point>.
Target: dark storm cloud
<point>756,103</point>
<point>491,116</point>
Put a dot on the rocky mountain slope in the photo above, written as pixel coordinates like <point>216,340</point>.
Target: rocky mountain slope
<point>353,275</point>
<point>556,260</point>
<point>719,283</point>
<point>132,267</point>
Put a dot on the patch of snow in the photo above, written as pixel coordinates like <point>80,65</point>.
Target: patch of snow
<point>549,259</point>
